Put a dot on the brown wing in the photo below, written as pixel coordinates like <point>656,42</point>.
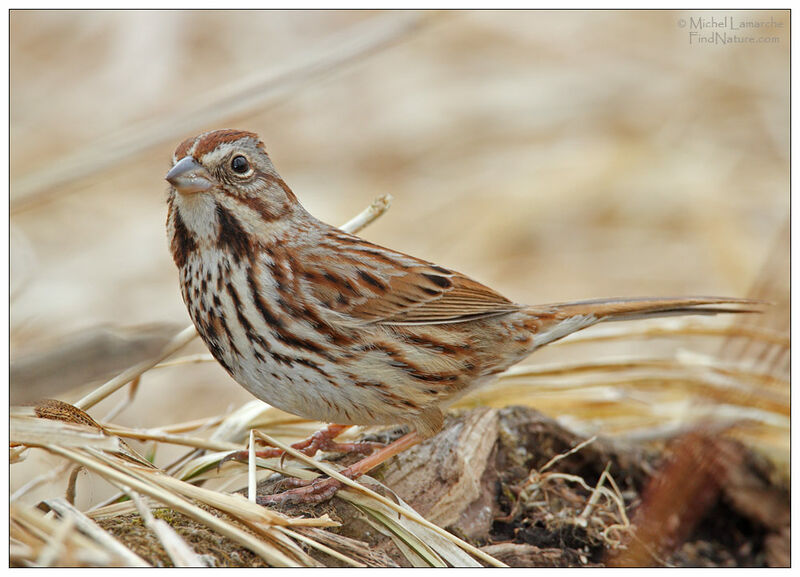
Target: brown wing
<point>370,283</point>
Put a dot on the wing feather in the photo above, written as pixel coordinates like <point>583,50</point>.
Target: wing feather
<point>367,283</point>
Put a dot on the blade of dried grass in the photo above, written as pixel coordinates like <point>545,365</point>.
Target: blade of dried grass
<point>406,511</point>
<point>31,526</point>
<point>111,510</point>
<point>179,341</point>
<point>55,546</point>
<point>360,551</point>
<point>321,547</point>
<point>653,405</point>
<point>369,215</point>
<point>234,504</point>
<point>19,554</point>
<point>416,540</point>
<point>186,426</point>
<point>246,516</point>
<point>93,531</point>
<point>205,466</point>
<point>39,480</point>
<point>257,415</point>
<point>43,528</point>
<point>186,360</point>
<point>680,362</point>
<point>126,401</point>
<point>418,553</point>
<point>251,469</point>
<point>235,425</point>
<point>176,548</point>
<point>199,465</point>
<point>125,475</point>
<point>35,431</point>
<point>708,384</point>
<point>572,451</point>
<point>160,436</point>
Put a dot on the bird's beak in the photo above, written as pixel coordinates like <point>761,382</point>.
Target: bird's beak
<point>188,177</point>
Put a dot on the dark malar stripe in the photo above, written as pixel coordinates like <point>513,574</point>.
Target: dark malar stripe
<point>232,237</point>
<point>183,243</point>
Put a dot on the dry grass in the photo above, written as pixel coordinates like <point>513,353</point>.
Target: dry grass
<point>552,155</point>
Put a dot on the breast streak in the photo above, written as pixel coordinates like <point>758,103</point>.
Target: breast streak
<point>292,367</point>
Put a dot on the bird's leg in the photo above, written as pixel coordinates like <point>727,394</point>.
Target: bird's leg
<point>320,441</point>
<point>320,490</point>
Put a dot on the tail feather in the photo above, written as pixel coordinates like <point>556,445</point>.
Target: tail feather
<point>559,320</point>
<point>625,309</point>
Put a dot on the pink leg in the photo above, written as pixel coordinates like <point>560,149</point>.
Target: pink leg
<point>320,441</point>
<point>320,490</point>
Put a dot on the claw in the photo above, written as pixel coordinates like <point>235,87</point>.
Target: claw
<point>245,455</point>
<point>234,456</point>
<point>320,441</point>
<point>291,483</point>
<point>313,492</point>
<point>320,490</point>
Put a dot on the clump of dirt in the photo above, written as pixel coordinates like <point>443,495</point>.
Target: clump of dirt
<point>216,549</point>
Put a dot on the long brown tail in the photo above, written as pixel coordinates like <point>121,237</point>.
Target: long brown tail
<point>620,309</point>
<point>559,320</point>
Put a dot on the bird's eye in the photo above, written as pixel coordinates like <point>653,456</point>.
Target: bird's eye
<point>240,165</point>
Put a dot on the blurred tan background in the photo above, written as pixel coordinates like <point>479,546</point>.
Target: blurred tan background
<point>552,155</point>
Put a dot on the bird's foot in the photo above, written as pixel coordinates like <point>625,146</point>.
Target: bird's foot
<point>323,489</point>
<point>320,441</point>
<point>307,492</point>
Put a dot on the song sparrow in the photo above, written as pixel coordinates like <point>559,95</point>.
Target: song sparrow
<point>330,327</point>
